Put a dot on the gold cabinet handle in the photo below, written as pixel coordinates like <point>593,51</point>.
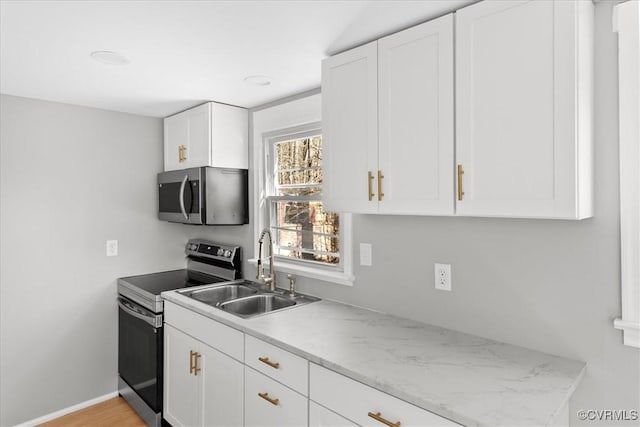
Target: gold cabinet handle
<point>265,360</point>
<point>379,418</point>
<point>196,369</point>
<point>266,397</point>
<point>380,193</point>
<point>460,173</point>
<point>182,157</point>
<point>370,176</point>
<point>193,362</point>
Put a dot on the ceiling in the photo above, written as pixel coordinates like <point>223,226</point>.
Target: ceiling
<point>183,53</point>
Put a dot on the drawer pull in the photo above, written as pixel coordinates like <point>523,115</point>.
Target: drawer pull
<point>191,367</point>
<point>196,369</point>
<point>370,185</point>
<point>380,178</point>
<point>265,360</point>
<point>266,397</point>
<point>460,190</point>
<point>379,418</point>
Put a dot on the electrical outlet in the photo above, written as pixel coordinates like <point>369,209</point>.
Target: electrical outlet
<point>365,254</point>
<point>442,276</point>
<point>112,248</point>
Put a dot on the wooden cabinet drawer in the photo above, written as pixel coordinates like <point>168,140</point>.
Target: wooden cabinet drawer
<point>279,364</point>
<point>269,403</point>
<point>361,403</point>
<point>221,337</point>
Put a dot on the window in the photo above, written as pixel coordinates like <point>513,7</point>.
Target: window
<point>627,24</point>
<point>301,228</point>
<point>303,231</point>
<point>287,165</point>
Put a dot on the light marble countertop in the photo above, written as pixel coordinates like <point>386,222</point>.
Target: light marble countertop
<point>471,380</point>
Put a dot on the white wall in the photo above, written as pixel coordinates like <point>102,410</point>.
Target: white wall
<point>71,178</point>
<point>548,285</point>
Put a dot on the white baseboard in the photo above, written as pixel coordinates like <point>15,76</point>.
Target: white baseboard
<point>66,411</point>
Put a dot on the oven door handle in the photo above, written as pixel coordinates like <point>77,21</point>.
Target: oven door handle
<point>182,186</point>
<point>155,320</point>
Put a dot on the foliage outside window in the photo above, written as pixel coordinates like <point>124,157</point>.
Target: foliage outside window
<point>302,229</point>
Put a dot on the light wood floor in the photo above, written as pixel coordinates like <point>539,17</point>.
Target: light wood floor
<point>112,412</point>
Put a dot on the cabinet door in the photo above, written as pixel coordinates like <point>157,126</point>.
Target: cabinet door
<point>523,111</point>
<point>416,119</point>
<point>277,363</point>
<point>222,393</point>
<point>269,403</point>
<point>350,130</point>
<point>176,136</point>
<point>319,416</point>
<point>198,151</point>
<point>365,405</point>
<point>181,407</point>
<point>187,139</point>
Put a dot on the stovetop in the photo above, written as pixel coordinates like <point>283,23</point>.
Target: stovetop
<point>156,283</point>
<point>207,263</point>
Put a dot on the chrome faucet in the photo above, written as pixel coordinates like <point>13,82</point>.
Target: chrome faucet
<point>271,280</point>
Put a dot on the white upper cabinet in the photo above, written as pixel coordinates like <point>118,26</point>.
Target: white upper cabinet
<point>211,134</point>
<point>350,129</point>
<point>524,109</point>
<point>415,95</point>
<point>402,87</point>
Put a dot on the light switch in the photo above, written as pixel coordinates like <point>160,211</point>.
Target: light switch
<point>112,248</point>
<point>365,254</point>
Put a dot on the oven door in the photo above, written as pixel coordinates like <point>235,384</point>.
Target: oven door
<point>140,351</point>
<point>180,196</point>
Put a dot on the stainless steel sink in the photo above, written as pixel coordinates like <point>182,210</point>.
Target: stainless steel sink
<point>219,294</point>
<point>246,299</point>
<point>257,304</point>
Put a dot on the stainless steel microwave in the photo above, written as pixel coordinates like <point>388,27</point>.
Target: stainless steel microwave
<point>205,195</point>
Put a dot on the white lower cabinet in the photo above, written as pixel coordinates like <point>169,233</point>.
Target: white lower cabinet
<point>279,364</point>
<point>319,416</point>
<point>202,386</point>
<point>364,405</point>
<point>181,401</point>
<point>216,376</point>
<point>222,403</point>
<point>269,403</point>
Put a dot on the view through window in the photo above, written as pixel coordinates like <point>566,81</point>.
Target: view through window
<point>302,229</point>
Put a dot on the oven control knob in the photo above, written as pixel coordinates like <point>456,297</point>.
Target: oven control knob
<point>220,252</point>
<point>227,253</point>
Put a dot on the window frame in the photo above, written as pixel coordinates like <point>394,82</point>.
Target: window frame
<point>342,273</point>
<point>626,22</point>
<point>270,142</point>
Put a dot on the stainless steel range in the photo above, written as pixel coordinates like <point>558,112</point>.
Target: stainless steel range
<point>140,334</point>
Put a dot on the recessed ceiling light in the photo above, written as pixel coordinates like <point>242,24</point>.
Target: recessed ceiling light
<point>109,57</point>
<point>258,80</point>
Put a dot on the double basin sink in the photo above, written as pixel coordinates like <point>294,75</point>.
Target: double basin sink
<point>246,299</point>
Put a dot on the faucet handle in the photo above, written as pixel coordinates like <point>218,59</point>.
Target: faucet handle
<point>292,284</point>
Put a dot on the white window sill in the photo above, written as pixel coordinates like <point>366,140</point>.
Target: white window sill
<point>631,331</point>
<point>338,277</point>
